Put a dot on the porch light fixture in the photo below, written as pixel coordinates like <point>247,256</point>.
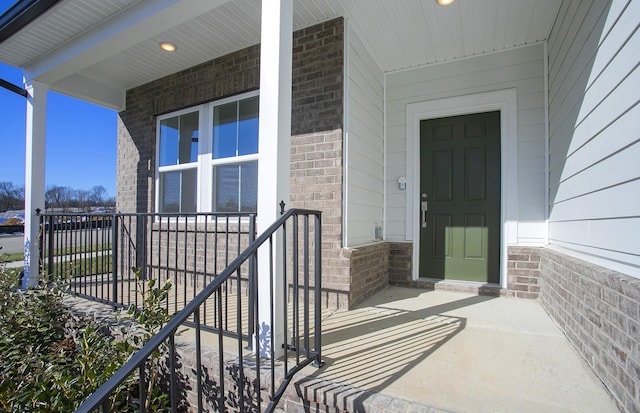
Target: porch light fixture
<point>444,2</point>
<point>168,46</point>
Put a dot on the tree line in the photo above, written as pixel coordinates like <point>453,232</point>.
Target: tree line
<point>59,197</point>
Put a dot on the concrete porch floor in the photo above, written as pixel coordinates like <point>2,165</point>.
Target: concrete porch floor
<point>413,350</point>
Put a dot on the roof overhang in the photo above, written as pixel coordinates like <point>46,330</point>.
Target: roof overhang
<point>96,50</point>
<point>21,14</point>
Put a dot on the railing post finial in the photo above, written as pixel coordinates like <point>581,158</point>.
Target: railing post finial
<point>282,205</point>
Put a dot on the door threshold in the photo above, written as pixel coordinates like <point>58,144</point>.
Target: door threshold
<point>471,287</point>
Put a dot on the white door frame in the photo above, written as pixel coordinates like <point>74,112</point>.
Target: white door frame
<point>506,102</point>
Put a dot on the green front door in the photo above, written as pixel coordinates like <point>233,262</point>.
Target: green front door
<point>460,198</point>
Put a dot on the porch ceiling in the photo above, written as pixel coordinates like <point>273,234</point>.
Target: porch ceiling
<point>97,49</point>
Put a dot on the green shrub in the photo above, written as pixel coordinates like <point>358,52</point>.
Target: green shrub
<point>52,359</point>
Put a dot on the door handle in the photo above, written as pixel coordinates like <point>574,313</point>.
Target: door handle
<point>423,213</point>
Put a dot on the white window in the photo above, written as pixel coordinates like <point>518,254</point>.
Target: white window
<point>208,157</point>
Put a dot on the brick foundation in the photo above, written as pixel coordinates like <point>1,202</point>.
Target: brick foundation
<point>372,268</point>
<point>369,267</point>
<point>599,311</point>
<point>523,272</point>
<point>400,262</point>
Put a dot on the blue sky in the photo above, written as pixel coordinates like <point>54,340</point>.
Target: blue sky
<point>81,139</point>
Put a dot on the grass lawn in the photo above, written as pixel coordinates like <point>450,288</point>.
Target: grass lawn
<point>81,266</point>
<point>19,256</point>
<point>14,256</point>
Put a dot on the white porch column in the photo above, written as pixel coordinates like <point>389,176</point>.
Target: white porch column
<point>274,156</point>
<point>34,177</point>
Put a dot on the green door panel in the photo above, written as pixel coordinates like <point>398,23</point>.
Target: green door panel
<point>460,190</point>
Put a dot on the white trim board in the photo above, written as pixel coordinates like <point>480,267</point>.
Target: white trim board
<point>506,102</point>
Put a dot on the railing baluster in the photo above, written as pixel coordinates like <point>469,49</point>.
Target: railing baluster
<point>41,242</point>
<point>296,275</point>
<point>76,237</point>
<point>220,351</point>
<point>88,251</point>
<point>173,392</point>
<point>271,318</point>
<point>184,254</point>
<point>152,250</point>
<point>73,236</point>
<point>317,280</point>
<point>166,267</point>
<point>226,285</point>
<point>105,241</point>
<point>306,283</point>
<point>82,252</point>
<point>50,243</point>
<point>194,276</point>
<point>142,388</point>
<point>131,253</point>
<point>106,408</point>
<point>138,239</point>
<point>252,285</point>
<point>239,340</point>
<point>256,329</point>
<point>206,258</point>
<point>238,252</point>
<point>215,270</point>
<point>114,256</point>
<point>285,310</point>
<point>196,316</point>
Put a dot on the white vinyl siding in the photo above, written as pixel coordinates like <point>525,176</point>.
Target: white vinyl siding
<point>365,145</point>
<point>594,123</point>
<point>520,68</point>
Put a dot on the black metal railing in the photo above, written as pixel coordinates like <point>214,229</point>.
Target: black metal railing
<point>242,377</point>
<point>108,257</point>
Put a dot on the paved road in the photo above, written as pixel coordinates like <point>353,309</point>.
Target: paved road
<point>15,242</point>
<point>11,243</point>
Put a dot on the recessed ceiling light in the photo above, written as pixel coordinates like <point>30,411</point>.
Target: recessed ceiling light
<point>444,2</point>
<point>168,46</point>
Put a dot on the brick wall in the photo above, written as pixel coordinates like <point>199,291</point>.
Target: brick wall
<point>316,143</point>
<point>318,77</point>
<point>372,268</point>
<point>523,272</point>
<point>400,262</point>
<point>599,311</point>
<point>369,270</point>
<point>316,183</point>
<point>232,74</point>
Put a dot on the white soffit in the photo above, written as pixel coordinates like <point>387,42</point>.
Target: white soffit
<point>399,35</point>
<point>56,27</point>
<point>411,33</point>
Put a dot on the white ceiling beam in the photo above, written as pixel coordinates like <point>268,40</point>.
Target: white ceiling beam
<point>93,91</point>
<point>138,23</point>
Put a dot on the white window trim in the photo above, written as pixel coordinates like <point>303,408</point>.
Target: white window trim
<point>205,163</point>
<point>234,159</point>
